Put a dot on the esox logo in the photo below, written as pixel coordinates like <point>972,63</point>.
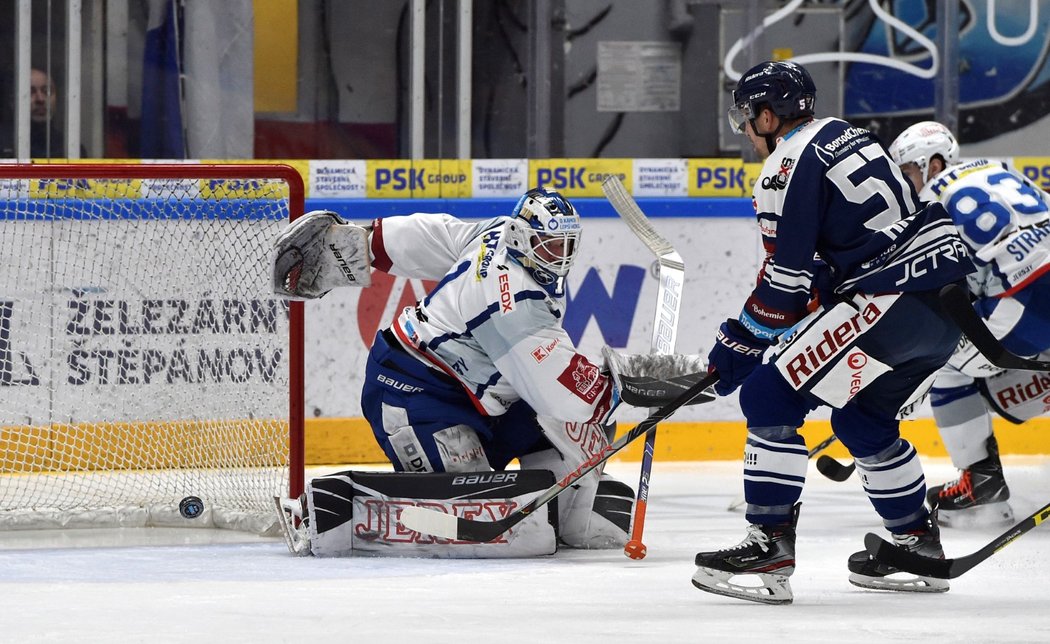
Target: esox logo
<point>506,298</point>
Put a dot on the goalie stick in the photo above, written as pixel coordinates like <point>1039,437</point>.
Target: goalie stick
<point>671,273</point>
<point>817,449</point>
<point>956,302</point>
<point>885,552</point>
<point>448,526</point>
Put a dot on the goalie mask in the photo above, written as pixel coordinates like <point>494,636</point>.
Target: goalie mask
<point>543,236</point>
<point>920,143</point>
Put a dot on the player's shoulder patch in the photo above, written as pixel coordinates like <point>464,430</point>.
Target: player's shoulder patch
<point>489,249</point>
<point>582,378</point>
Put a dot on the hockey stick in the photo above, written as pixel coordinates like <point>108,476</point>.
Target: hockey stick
<point>956,302</point>
<point>834,470</point>
<point>447,526</point>
<point>818,448</point>
<point>671,273</point>
<point>883,551</point>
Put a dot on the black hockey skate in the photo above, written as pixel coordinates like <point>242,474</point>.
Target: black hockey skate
<point>767,553</point>
<point>926,541</point>
<point>978,498</point>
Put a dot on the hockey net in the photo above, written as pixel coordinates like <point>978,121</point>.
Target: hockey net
<point>143,357</point>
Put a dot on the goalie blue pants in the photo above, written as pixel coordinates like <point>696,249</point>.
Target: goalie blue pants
<point>421,404</point>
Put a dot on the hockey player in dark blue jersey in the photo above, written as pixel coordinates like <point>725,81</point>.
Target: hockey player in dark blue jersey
<point>848,294</point>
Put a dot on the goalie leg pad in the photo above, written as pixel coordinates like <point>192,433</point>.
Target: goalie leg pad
<point>318,252</point>
<point>613,502</point>
<point>595,512</point>
<point>356,513</point>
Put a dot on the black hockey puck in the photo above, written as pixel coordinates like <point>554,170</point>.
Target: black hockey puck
<point>191,507</point>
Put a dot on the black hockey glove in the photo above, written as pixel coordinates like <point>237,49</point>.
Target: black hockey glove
<point>735,355</point>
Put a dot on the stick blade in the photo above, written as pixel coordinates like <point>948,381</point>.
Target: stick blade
<point>885,552</point>
<point>448,526</point>
<point>429,521</point>
<point>834,470</point>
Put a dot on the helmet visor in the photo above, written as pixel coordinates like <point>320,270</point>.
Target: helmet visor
<point>739,115</point>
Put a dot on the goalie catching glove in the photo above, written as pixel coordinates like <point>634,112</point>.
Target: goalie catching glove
<point>318,252</point>
<point>653,380</point>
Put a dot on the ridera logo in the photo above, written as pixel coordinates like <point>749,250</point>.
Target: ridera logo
<point>810,358</point>
<point>1021,392</point>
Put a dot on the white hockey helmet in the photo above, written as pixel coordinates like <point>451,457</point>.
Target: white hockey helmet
<point>921,142</point>
<point>544,234</point>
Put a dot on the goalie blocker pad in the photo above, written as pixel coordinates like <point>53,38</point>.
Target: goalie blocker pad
<point>318,252</point>
<point>653,380</point>
<point>356,513</point>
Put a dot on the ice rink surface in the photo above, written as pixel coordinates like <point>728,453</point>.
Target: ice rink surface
<point>124,587</point>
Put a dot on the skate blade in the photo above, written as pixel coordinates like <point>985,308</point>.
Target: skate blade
<point>900,582</point>
<point>773,589</point>
<point>988,515</point>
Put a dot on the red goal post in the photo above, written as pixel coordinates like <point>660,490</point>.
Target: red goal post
<point>143,356</point>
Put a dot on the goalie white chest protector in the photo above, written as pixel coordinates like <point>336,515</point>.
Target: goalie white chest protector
<point>487,323</point>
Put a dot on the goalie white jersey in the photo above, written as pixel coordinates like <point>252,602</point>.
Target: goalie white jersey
<point>1003,217</point>
<point>488,323</point>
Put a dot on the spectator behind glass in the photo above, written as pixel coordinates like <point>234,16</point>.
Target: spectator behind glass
<point>45,136</point>
<point>46,139</point>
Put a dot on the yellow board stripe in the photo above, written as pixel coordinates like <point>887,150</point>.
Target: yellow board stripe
<point>143,446</point>
<point>349,440</point>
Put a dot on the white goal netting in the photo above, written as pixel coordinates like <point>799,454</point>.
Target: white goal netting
<point>143,358</point>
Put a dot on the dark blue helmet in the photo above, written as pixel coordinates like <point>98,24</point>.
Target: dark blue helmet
<point>783,86</point>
